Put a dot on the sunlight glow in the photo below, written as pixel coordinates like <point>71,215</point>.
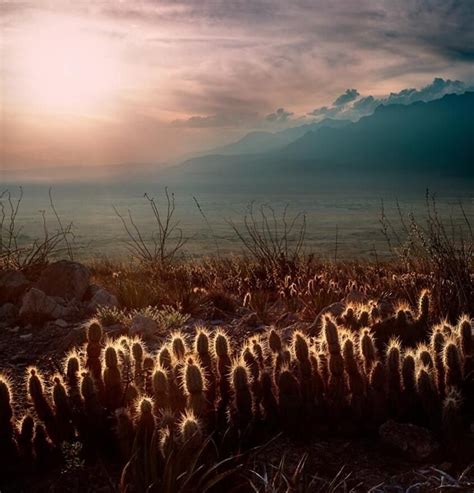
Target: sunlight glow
<point>65,67</point>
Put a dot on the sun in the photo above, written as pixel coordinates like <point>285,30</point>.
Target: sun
<point>65,66</point>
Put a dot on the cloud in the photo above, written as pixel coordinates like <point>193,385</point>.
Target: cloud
<point>349,96</point>
<point>218,120</point>
<point>279,116</point>
<point>217,67</point>
<point>367,104</point>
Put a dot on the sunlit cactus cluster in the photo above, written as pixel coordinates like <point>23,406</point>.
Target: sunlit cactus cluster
<point>118,399</point>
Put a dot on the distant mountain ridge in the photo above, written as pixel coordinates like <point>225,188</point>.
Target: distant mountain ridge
<point>432,137</point>
<point>260,141</point>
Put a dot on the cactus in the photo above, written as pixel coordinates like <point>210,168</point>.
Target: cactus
<point>42,446</point>
<point>42,406</point>
<point>289,402</point>
<point>301,351</point>
<point>201,347</point>
<point>283,358</point>
<point>25,438</point>
<point>191,437</point>
<point>452,364</point>
<point>160,389</point>
<point>428,396</point>
<point>145,423</point>
<point>92,424</point>
<point>112,380</point>
<point>367,350</point>
<point>336,389</point>
<point>94,348</point>
<point>258,351</point>
<point>72,371</point>
<point>393,376</point>
<point>437,343</point>
<point>378,393</point>
<point>125,432</point>
<point>364,318</point>
<point>424,356</point>
<point>148,365</point>
<point>465,335</point>
<point>164,358</point>
<point>221,350</point>
<point>409,401</point>
<point>424,307</point>
<point>63,412</point>
<point>274,341</point>
<point>269,403</point>
<point>178,346</point>
<point>194,386</point>
<point>242,397</point>
<point>452,423</point>
<point>356,382</point>
<point>254,371</point>
<point>7,430</point>
<point>137,353</point>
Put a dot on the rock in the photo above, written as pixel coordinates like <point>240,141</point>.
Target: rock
<point>13,284</point>
<point>335,309</point>
<point>61,323</point>
<point>37,307</point>
<point>102,297</point>
<point>250,320</point>
<point>142,325</point>
<point>415,442</point>
<point>8,312</point>
<point>286,319</point>
<point>67,279</point>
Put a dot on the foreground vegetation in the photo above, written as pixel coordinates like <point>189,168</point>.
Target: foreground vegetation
<point>188,417</point>
<point>327,350</point>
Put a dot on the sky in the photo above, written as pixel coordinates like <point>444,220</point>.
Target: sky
<point>144,81</point>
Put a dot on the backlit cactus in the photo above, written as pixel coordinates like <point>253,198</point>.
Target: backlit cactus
<point>194,386</point>
<point>112,380</point>
<point>7,434</point>
<point>94,349</point>
<point>394,377</point>
<point>160,389</point>
<point>452,364</point>
<point>147,406</point>
<point>242,403</point>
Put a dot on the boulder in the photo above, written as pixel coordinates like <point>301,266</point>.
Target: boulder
<point>414,442</point>
<point>102,297</point>
<point>66,279</point>
<point>143,326</point>
<point>13,284</point>
<point>8,312</point>
<point>38,307</point>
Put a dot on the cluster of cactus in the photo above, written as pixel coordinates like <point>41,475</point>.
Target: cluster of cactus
<point>115,396</point>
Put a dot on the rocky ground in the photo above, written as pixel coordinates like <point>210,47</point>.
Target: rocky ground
<point>42,316</point>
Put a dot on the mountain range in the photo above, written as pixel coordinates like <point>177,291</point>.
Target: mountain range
<point>435,137</point>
